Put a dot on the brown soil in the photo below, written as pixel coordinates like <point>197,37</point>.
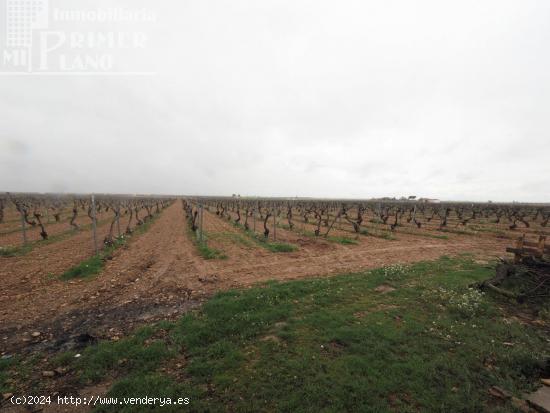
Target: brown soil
<point>11,235</point>
<point>159,274</point>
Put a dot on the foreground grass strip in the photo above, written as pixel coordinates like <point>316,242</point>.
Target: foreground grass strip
<point>15,371</point>
<point>137,354</point>
<point>94,265</point>
<point>6,365</point>
<point>424,342</point>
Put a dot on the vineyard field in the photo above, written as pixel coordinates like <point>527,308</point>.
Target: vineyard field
<point>154,259</point>
<point>326,237</point>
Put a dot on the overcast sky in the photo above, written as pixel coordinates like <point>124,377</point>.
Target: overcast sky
<point>445,99</point>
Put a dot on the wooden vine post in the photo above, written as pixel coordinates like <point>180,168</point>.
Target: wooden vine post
<point>118,219</point>
<point>23,227</point>
<point>274,225</point>
<point>94,225</point>
<point>200,222</point>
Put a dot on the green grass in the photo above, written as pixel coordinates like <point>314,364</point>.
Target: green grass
<point>17,370</point>
<point>16,251</point>
<point>456,231</point>
<point>497,232</point>
<point>6,367</point>
<point>94,265</point>
<point>205,251</point>
<point>65,217</point>
<point>273,246</point>
<point>232,237</point>
<point>419,233</point>
<point>342,240</point>
<point>87,268</point>
<point>209,253</point>
<point>11,231</point>
<point>384,234</point>
<point>333,344</point>
<point>311,234</point>
<point>138,354</point>
<point>378,234</point>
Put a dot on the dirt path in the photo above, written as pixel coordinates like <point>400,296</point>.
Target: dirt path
<point>159,275</point>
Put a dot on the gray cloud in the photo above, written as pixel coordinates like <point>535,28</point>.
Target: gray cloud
<point>309,98</point>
